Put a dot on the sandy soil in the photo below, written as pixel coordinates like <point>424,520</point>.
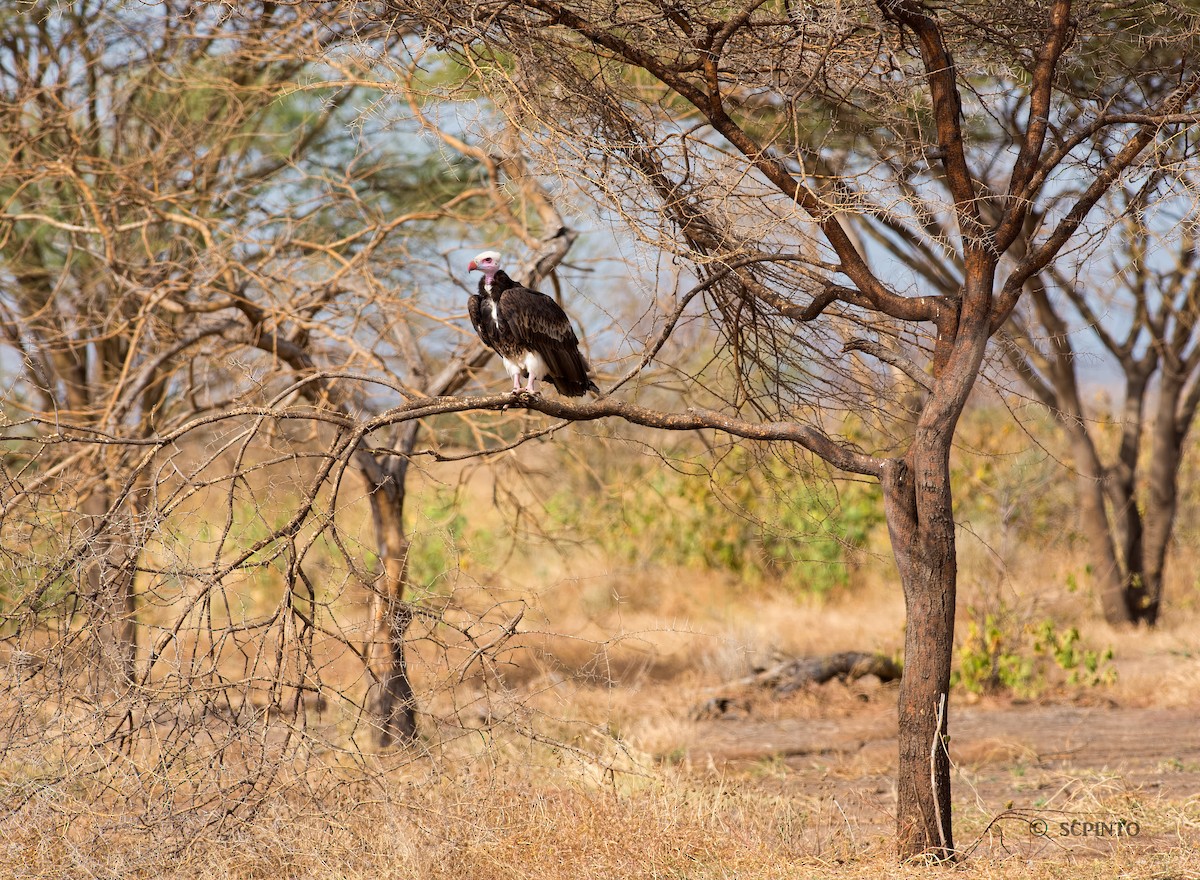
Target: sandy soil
<point>1023,772</point>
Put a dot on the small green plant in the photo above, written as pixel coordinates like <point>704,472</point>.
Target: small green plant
<point>988,662</point>
<point>998,655</point>
<point>1083,666</point>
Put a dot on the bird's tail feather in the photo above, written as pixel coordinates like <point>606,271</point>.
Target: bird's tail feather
<point>568,372</point>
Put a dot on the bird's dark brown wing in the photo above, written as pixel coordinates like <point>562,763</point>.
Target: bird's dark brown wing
<point>481,320</point>
<point>535,322</point>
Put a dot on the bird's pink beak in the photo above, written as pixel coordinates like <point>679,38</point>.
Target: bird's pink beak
<point>472,267</point>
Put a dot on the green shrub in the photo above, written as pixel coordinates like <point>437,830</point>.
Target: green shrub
<point>436,542</point>
<point>999,656</point>
<point>759,521</point>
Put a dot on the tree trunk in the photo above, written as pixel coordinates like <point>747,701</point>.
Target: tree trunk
<point>392,701</point>
<point>919,506</point>
<point>1130,546</point>
<point>1108,512</point>
<point>1145,593</point>
<point>925,558</point>
<point>1111,569</point>
<point>112,551</point>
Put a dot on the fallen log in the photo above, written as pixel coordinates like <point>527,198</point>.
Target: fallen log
<point>790,675</point>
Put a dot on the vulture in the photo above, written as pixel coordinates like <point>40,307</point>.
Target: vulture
<point>529,331</point>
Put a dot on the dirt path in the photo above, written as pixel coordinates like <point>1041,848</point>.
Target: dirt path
<point>1056,763</point>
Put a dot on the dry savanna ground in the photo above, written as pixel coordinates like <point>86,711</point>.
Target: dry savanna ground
<point>575,751</point>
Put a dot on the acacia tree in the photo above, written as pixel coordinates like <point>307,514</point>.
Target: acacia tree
<point>657,106</point>
<point>1128,496</point>
<point>133,141</point>
<point>189,227</point>
<point>1122,296</point>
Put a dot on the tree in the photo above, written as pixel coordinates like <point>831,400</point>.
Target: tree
<point>137,158</point>
<point>189,230</point>
<point>1149,279</point>
<point>1124,285</point>
<point>657,107</point>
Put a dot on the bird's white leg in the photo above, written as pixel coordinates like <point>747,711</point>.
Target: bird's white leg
<point>516,382</point>
<point>529,386</point>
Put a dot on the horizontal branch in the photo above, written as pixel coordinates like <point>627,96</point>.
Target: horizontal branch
<point>839,454</point>
<point>893,358</point>
<point>54,222</point>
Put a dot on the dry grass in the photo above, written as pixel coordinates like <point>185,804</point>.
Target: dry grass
<point>590,767</point>
<point>572,753</point>
<point>502,823</point>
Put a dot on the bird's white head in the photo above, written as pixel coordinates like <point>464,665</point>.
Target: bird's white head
<point>488,263</point>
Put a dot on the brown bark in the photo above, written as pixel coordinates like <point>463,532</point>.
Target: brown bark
<point>392,701</point>
<point>1093,520</point>
<point>112,551</point>
<point>1128,540</point>
<point>845,665</point>
<point>1144,594</point>
<point>788,676</point>
<point>925,560</point>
